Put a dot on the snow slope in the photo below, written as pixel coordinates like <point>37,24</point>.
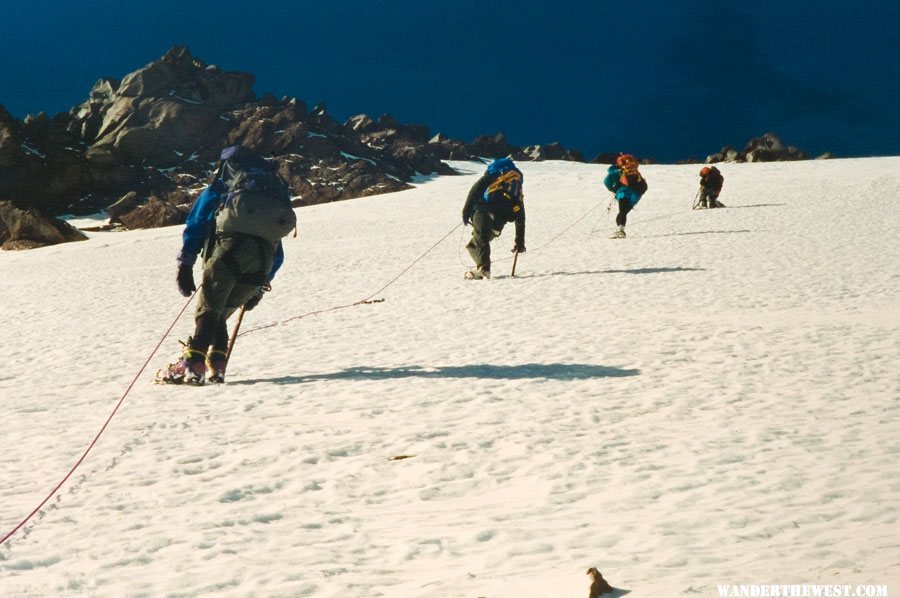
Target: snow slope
<point>713,400</point>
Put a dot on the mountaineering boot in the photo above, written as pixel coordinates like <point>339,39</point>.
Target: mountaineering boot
<point>189,369</point>
<point>478,273</point>
<point>194,363</point>
<point>619,234</point>
<point>215,363</point>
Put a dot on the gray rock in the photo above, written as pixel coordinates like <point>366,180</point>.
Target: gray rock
<point>27,229</point>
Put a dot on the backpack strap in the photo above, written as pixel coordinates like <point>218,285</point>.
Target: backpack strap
<point>504,183</point>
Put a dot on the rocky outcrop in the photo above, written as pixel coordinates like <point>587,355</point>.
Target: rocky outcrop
<point>331,180</point>
<point>550,151</point>
<point>28,229</point>
<point>158,132</point>
<point>770,148</point>
<point>767,148</point>
<point>143,146</point>
<point>492,147</point>
<point>127,203</point>
<point>154,213</point>
<point>444,148</point>
<point>726,154</point>
<point>160,112</point>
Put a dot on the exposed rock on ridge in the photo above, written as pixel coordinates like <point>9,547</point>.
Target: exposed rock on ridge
<point>143,146</point>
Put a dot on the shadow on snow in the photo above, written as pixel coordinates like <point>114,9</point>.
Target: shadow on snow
<point>546,371</point>
<point>703,232</point>
<point>630,271</point>
<point>758,205</point>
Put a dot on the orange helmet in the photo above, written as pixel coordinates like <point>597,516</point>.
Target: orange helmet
<point>704,171</point>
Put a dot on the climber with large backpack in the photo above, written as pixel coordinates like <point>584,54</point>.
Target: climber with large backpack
<point>493,201</point>
<point>236,224</point>
<point>625,180</point>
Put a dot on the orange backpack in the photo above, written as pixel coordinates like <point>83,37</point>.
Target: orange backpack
<point>627,163</point>
<point>630,175</point>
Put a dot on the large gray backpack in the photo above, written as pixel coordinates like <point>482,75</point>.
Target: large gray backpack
<point>256,202</point>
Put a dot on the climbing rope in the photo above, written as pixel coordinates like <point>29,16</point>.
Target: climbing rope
<point>552,239</point>
<point>97,437</point>
<point>365,301</point>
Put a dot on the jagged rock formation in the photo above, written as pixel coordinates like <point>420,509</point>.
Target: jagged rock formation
<point>768,148</point>
<point>157,134</point>
<point>144,146</point>
<point>551,151</point>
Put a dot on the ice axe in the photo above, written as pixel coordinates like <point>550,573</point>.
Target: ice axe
<point>234,334</point>
<point>515,259</point>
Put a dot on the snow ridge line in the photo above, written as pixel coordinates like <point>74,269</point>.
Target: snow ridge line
<point>102,429</point>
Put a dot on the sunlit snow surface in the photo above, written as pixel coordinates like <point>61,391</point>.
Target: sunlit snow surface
<point>712,400</point>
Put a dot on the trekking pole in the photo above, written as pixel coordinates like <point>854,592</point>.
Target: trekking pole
<point>515,259</point>
<point>234,333</point>
<point>697,199</point>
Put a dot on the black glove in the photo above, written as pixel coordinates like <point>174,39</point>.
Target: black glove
<point>185,280</point>
<point>518,248</point>
<point>253,301</point>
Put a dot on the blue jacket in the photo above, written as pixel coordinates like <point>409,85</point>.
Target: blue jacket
<point>200,222</point>
<point>614,184</point>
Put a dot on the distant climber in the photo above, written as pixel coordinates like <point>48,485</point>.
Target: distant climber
<point>711,181</point>
<point>599,586</point>
<point>625,180</point>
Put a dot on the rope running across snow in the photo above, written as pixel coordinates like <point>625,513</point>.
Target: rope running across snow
<point>102,429</point>
<point>368,299</point>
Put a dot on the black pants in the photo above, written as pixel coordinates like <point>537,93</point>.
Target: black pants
<point>624,207</point>
<point>709,198</point>
<point>210,333</point>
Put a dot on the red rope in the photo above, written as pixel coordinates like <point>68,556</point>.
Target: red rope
<point>557,236</point>
<point>368,299</point>
<point>97,437</point>
<point>416,261</point>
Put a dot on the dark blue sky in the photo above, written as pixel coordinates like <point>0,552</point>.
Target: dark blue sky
<point>663,78</point>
